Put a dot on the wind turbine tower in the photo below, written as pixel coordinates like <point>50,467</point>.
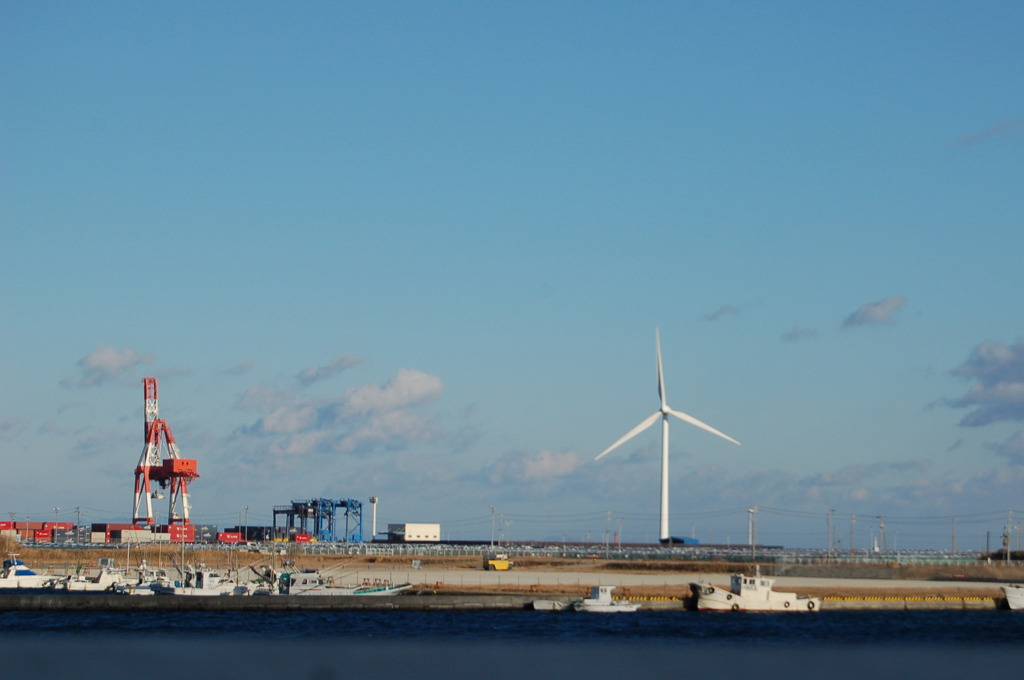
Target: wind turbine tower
<point>663,413</point>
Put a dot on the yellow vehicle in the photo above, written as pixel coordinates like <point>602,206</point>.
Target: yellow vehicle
<point>497,562</point>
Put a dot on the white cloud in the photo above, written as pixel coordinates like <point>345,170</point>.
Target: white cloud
<point>535,467</point>
<point>875,313</point>
<point>405,388</point>
<point>9,427</point>
<point>391,430</point>
<point>797,334</point>
<point>239,369</point>
<point>263,399</point>
<point>1012,449</point>
<point>106,363</point>
<point>995,130</point>
<point>317,373</point>
<point>363,420</point>
<point>288,419</point>
<point>997,393</point>
<point>720,312</point>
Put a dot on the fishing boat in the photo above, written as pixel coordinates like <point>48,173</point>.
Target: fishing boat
<point>751,594</point>
<point>145,581</point>
<point>201,581</point>
<point>601,600</point>
<point>1014,595</point>
<point>16,575</point>
<point>106,580</point>
<point>314,583</point>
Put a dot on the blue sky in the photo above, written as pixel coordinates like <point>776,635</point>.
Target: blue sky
<point>420,250</point>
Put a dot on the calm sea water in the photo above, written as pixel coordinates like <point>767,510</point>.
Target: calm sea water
<point>493,645</point>
<point>679,628</point>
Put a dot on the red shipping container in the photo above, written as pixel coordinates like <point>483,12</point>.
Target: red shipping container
<point>112,526</point>
<point>229,537</point>
<point>182,533</point>
<point>6,526</point>
<point>66,526</point>
<point>28,526</point>
<point>42,535</point>
<point>300,538</point>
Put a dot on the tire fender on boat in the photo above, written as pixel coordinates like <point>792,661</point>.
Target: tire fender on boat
<point>735,607</point>
<point>709,590</point>
<point>810,605</point>
<point>786,605</point>
<point>729,596</point>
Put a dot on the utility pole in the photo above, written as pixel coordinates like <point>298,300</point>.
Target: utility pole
<point>853,522</point>
<point>881,532</point>
<point>752,531</point>
<point>1006,534</point>
<point>607,531</point>
<point>492,526</point>
<point>953,549</point>
<point>831,536</point>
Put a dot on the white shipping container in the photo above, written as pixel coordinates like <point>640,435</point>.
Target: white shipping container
<point>97,537</point>
<point>135,536</point>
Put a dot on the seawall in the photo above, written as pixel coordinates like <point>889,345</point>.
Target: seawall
<point>425,602</point>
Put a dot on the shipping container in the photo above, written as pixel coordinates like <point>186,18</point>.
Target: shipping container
<point>112,526</point>
<point>58,525</point>
<point>205,533</point>
<point>6,526</point>
<point>300,538</point>
<point>131,536</point>
<point>28,526</point>
<point>99,537</point>
<point>229,537</point>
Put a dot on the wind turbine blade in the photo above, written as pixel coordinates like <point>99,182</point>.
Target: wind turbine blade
<point>661,373</point>
<point>704,426</point>
<point>650,420</point>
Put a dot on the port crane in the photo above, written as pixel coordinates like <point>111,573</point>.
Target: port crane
<point>169,471</point>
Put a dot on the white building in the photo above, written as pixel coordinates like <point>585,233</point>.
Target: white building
<point>414,533</point>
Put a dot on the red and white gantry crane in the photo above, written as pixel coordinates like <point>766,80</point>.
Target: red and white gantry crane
<point>171,470</point>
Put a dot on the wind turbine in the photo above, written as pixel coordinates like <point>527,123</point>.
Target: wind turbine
<point>664,412</point>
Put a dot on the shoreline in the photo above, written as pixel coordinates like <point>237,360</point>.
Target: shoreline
<point>462,583</point>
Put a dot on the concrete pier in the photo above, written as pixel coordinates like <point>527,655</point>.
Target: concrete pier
<point>424,602</point>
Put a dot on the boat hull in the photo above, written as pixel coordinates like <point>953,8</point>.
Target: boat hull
<point>715,599</point>
<point>1014,596</point>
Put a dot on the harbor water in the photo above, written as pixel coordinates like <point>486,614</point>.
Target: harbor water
<point>510,644</point>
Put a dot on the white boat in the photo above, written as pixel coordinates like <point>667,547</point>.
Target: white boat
<point>549,605</point>
<point>1014,595</point>
<point>16,575</point>
<point>201,581</point>
<point>314,583</point>
<point>106,580</point>
<point>751,594</point>
<point>601,600</point>
<point>144,581</point>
